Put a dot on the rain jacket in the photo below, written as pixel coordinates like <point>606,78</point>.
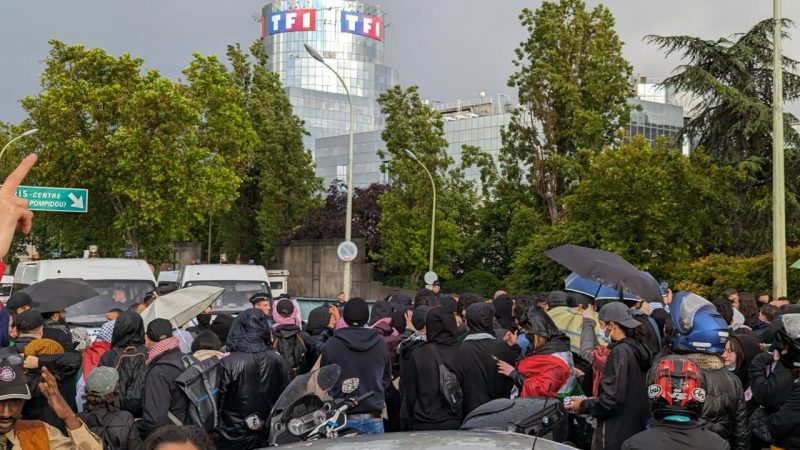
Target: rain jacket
<point>724,408</point>
<point>621,406</point>
<point>364,359</point>
<point>548,370</point>
<point>161,394</point>
<point>253,377</point>
<point>128,332</point>
<point>668,435</point>
<point>482,382</point>
<point>773,387</point>
<point>425,397</point>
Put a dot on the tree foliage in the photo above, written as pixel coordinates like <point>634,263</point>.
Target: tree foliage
<point>572,83</point>
<point>406,208</point>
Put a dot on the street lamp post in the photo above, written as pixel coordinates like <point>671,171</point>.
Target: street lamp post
<point>778,186</point>
<point>348,225</point>
<point>414,158</point>
<point>30,132</point>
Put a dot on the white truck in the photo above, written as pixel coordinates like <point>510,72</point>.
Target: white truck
<point>119,282</point>
<point>240,282</point>
<point>278,282</point>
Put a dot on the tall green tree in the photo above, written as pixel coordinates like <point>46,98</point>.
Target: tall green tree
<point>572,83</point>
<point>733,121</point>
<point>280,184</point>
<point>405,221</point>
<point>131,138</point>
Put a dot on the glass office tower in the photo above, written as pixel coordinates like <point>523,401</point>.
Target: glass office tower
<point>350,36</point>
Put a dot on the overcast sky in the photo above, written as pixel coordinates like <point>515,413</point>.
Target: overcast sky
<point>450,48</point>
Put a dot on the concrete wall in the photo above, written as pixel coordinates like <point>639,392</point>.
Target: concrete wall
<point>316,272</point>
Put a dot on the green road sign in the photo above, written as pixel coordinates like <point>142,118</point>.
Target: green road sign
<point>55,199</point>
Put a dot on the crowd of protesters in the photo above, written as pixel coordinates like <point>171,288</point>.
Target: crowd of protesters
<point>681,373</point>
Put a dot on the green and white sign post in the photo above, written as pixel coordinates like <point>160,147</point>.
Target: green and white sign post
<point>55,199</point>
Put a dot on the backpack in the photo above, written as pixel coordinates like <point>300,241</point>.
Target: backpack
<point>97,426</point>
<point>293,349</point>
<point>199,381</point>
<point>449,387</point>
<point>132,370</point>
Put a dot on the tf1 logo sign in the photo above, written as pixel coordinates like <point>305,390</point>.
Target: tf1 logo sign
<point>362,24</point>
<point>290,20</point>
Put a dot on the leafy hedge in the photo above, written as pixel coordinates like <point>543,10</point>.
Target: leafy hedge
<point>478,282</point>
<point>711,275</point>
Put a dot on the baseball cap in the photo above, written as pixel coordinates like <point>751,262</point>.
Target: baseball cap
<point>102,381</point>
<point>28,321</point>
<point>617,312</point>
<point>158,328</point>
<point>18,300</point>
<point>13,384</point>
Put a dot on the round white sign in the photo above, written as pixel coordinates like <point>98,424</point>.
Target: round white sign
<point>430,277</point>
<point>347,251</point>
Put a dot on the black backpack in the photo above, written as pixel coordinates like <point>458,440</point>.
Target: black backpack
<point>132,369</point>
<point>199,381</point>
<point>293,349</point>
<point>102,427</point>
<point>448,385</point>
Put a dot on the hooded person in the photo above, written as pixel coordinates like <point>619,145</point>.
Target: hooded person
<point>382,322</point>
<point>547,370</point>
<point>480,351</point>
<point>401,300</point>
<point>19,302</point>
<point>252,378</point>
<point>365,363</point>
<point>221,326</point>
<point>504,313</point>
<point>203,322</point>
<point>621,406</point>
<point>430,412</point>
<point>128,355</point>
<point>702,334</point>
<point>92,355</point>
<point>412,339</point>
<point>289,340</point>
<point>162,397</point>
<point>320,325</point>
<point>739,353</point>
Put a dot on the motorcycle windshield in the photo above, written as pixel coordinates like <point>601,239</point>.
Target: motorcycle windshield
<point>317,382</point>
<point>691,304</point>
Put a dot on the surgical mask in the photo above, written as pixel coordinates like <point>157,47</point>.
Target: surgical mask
<point>605,337</point>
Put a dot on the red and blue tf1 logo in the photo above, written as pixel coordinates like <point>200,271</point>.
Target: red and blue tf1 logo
<point>362,24</point>
<point>290,20</point>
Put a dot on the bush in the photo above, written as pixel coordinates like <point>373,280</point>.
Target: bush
<point>711,275</point>
<point>478,282</point>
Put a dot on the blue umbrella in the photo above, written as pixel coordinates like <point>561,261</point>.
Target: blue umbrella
<point>593,289</point>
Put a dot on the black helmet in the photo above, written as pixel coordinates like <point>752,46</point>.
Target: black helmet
<point>536,321</point>
<point>787,340</point>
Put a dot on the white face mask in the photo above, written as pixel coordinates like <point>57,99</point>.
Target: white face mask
<point>605,335</point>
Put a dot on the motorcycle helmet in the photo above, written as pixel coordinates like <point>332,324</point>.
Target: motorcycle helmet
<point>787,340</point>
<point>699,326</point>
<point>676,388</point>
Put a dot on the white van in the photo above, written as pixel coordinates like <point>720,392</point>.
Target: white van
<point>167,281</point>
<point>119,282</point>
<point>278,282</point>
<point>240,282</point>
<point>5,287</point>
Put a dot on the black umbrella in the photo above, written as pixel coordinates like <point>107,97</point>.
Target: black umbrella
<point>59,293</point>
<point>607,268</point>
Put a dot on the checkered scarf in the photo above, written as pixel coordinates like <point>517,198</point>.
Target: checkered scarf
<point>106,331</point>
<point>43,347</point>
<point>162,347</point>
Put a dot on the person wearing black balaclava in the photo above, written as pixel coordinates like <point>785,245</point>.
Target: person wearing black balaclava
<point>203,322</point>
<point>504,313</point>
<point>425,398</point>
<point>480,352</point>
<point>320,325</point>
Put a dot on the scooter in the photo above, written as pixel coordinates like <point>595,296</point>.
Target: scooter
<point>305,411</point>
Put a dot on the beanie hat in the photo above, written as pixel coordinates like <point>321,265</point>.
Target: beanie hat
<point>418,317</point>
<point>102,381</point>
<point>158,328</point>
<point>28,321</point>
<point>356,312</point>
<point>285,307</point>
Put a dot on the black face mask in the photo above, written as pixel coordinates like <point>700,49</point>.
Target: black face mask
<point>204,320</point>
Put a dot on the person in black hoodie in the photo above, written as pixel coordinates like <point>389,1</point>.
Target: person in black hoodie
<point>253,377</point>
<point>504,313</point>
<point>413,338</point>
<point>480,351</point>
<point>128,355</point>
<point>364,359</point>
<point>289,340</point>
<point>621,406</point>
<point>320,325</point>
<point>425,397</point>
<point>162,397</point>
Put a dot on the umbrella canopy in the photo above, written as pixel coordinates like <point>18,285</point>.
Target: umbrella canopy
<point>56,294</point>
<point>594,289</point>
<point>607,268</point>
<point>569,321</point>
<point>181,306</point>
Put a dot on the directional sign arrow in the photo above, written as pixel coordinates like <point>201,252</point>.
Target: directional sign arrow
<point>77,202</point>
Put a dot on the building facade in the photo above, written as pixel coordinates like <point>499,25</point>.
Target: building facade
<point>350,37</point>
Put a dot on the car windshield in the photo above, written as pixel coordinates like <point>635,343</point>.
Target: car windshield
<point>113,294</point>
<point>237,293</point>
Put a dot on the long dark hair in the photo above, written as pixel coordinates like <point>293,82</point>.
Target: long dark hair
<point>173,434</point>
<point>109,401</point>
<point>640,334</point>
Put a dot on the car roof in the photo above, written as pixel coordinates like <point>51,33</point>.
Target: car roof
<point>433,440</point>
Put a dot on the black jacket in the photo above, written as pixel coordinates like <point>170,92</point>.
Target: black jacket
<point>293,332</point>
<point>118,426</point>
<point>128,332</point>
<point>365,364</point>
<point>252,378</point>
<point>621,406</point>
<point>785,423</point>
<point>161,394</point>
<point>668,435</point>
<point>63,367</point>
<point>410,343</point>
<point>724,408</point>
<point>59,333</point>
<point>774,388</point>
<point>482,382</point>
<point>424,395</point>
